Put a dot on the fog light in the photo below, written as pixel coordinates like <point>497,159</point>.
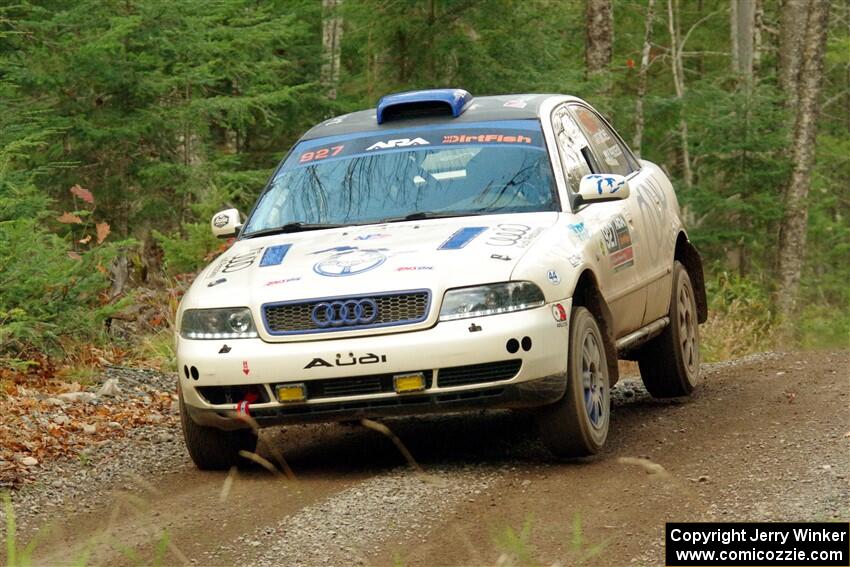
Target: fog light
<point>287,393</point>
<point>412,382</point>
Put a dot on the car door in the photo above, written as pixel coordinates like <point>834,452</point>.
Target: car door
<point>599,150</point>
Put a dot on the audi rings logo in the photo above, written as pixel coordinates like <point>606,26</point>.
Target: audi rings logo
<point>345,313</point>
<point>509,235</point>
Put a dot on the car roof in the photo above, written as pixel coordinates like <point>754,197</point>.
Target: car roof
<point>479,109</point>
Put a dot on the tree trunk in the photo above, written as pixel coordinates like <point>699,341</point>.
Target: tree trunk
<point>331,45</point>
<point>743,24</point>
<point>792,237</point>
<point>599,36</point>
<point>758,31</point>
<point>679,83</point>
<point>642,73</point>
<point>791,35</point>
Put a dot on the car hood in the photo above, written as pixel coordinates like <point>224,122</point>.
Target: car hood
<point>434,254</point>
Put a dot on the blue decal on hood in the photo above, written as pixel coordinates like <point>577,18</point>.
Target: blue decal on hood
<point>274,255</point>
<point>461,238</point>
<point>349,260</point>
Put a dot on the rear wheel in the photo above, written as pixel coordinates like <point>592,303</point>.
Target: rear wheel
<point>669,364</point>
<point>577,425</point>
<point>214,449</point>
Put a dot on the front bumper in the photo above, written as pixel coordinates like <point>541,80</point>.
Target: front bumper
<point>233,365</point>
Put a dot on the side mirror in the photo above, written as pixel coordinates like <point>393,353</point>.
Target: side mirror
<point>226,223</point>
<point>602,187</point>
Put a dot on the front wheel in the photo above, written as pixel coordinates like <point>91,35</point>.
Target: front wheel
<point>213,449</point>
<point>577,425</point>
<point>669,364</point>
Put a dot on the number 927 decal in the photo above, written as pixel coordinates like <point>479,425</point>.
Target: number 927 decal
<point>314,155</point>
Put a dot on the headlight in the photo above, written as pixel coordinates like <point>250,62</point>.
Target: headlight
<point>230,323</point>
<point>490,299</point>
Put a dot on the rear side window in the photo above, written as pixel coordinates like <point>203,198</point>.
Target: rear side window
<point>610,156</point>
<point>572,148</point>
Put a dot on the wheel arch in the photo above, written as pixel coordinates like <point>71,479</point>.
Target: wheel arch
<point>687,254</point>
<point>588,295</point>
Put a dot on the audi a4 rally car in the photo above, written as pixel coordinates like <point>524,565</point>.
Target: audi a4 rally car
<point>441,253</point>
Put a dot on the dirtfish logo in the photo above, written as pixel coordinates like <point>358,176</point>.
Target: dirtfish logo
<point>400,143</point>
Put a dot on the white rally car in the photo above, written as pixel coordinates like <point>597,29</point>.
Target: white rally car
<point>443,253</point>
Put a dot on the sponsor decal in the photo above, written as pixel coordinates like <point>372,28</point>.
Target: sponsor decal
<point>622,259</point>
<point>220,221</point>
<point>245,369</point>
<point>575,259</point>
<point>601,137</point>
<point>350,360</point>
<point>243,408</point>
<point>322,153</point>
<point>274,255</point>
<point>553,277</point>
<point>588,120</point>
<point>345,313</point>
<point>500,257</point>
<point>559,312</point>
<point>236,262</point>
<point>413,268</point>
<point>579,231</point>
<point>216,282</point>
<point>370,236</point>
<point>618,242</point>
<point>335,120</point>
<point>349,261</point>
<point>283,281</point>
<point>611,154</point>
<point>224,349</point>
<point>606,184</point>
<point>652,201</point>
<point>485,139</point>
<point>461,238</point>
<point>399,143</point>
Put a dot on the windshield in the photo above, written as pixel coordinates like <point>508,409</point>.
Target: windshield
<point>471,168</point>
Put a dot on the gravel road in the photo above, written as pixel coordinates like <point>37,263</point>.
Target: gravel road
<point>762,438</point>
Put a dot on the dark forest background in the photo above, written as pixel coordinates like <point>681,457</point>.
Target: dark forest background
<point>125,124</point>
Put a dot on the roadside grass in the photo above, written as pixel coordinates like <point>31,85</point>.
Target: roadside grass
<point>517,550</point>
<point>157,350</point>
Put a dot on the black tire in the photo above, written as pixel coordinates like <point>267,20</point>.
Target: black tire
<point>669,364</point>
<point>577,425</point>
<point>214,449</point>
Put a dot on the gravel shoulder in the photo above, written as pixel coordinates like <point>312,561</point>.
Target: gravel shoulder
<point>763,438</point>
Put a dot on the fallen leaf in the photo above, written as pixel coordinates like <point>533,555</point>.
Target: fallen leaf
<point>69,218</point>
<point>74,256</point>
<point>85,240</point>
<point>103,230</point>
<point>83,194</point>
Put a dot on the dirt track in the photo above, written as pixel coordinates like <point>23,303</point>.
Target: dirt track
<point>761,439</point>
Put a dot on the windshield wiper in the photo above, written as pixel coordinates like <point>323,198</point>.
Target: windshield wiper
<point>423,215</point>
<point>291,227</point>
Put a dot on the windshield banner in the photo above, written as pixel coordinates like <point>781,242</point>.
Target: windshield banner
<point>518,133</point>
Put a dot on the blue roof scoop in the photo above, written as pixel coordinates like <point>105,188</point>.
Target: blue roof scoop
<point>431,102</point>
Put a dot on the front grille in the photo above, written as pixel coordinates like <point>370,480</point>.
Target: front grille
<point>478,373</point>
<point>397,308</point>
<point>355,386</point>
